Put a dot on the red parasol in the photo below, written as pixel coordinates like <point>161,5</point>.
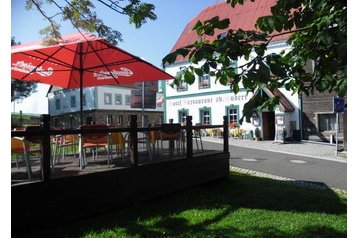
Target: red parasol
<point>80,60</point>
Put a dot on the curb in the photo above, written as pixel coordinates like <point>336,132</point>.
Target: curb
<point>305,184</point>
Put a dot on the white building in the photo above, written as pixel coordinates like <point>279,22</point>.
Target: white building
<point>207,102</point>
<point>109,105</point>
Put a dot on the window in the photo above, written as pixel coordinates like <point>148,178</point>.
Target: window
<point>89,121</point>
<point>84,100</point>
<point>233,65</point>
<point>120,120</point>
<point>129,120</point>
<point>204,81</point>
<point>107,98</point>
<point>145,121</point>
<point>118,99</point>
<point>109,119</point>
<point>161,85</point>
<point>182,116</point>
<point>128,100</point>
<point>233,113</point>
<point>73,101</point>
<point>326,122</point>
<point>183,86</point>
<point>205,116</point>
<point>58,104</point>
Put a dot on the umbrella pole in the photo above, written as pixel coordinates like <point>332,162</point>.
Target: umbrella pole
<point>81,84</point>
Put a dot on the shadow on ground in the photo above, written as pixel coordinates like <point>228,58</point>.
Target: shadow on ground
<point>259,201</point>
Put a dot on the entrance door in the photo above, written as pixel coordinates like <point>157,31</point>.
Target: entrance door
<point>268,125</point>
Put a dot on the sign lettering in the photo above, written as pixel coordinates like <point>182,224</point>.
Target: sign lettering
<point>28,68</point>
<point>122,72</point>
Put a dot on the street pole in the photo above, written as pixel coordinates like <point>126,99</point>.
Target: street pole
<point>337,134</point>
<point>142,104</point>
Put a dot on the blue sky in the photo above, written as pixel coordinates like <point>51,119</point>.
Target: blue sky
<point>151,42</point>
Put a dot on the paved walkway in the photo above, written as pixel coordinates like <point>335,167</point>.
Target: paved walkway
<point>306,148</point>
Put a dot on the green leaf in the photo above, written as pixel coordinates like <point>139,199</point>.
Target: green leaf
<point>205,67</point>
<point>223,24</point>
<point>198,72</point>
<point>169,58</point>
<point>260,49</point>
<point>189,77</point>
<point>278,24</point>
<point>213,64</point>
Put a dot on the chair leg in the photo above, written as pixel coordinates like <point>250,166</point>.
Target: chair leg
<point>201,142</point>
<point>28,165</point>
<point>17,160</point>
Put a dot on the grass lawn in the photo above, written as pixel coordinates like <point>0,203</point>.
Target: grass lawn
<point>239,206</point>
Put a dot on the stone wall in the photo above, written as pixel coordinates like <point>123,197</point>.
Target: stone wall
<point>72,120</point>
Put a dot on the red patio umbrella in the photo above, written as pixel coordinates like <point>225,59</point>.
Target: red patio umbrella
<point>80,60</point>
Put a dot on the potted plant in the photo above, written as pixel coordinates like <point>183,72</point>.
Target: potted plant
<point>258,134</point>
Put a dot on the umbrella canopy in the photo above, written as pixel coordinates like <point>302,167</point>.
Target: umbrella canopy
<point>80,60</point>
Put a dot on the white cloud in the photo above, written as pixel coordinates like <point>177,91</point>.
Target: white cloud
<point>37,103</point>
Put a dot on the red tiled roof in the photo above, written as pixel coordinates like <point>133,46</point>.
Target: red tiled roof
<point>242,16</point>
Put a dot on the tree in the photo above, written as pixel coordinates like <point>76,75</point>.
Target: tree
<point>21,89</point>
<point>82,15</point>
<point>318,33</point>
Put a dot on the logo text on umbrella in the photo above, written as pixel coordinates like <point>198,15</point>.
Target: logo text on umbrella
<point>103,75</point>
<point>22,66</point>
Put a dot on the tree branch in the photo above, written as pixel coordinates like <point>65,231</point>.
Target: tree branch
<point>53,24</point>
<point>110,6</point>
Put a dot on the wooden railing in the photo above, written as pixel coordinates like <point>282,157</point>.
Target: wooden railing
<point>44,132</point>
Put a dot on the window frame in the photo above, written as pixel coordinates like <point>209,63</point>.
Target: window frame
<point>201,81</point>
<point>109,119</point>
<point>237,114</point>
<point>117,95</point>
<point>73,101</point>
<point>120,120</point>
<point>181,119</point>
<point>109,96</point>
<point>202,116</point>
<point>331,123</point>
<point>127,100</point>
<point>58,104</point>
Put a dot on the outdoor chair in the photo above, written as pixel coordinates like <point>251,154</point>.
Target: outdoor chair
<point>172,132</point>
<point>93,142</point>
<point>62,144</point>
<point>154,137</point>
<point>118,143</point>
<point>25,146</point>
<point>197,137</point>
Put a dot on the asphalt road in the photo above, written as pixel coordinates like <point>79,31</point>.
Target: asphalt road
<point>331,173</point>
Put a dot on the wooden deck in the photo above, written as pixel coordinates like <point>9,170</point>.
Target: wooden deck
<point>69,165</point>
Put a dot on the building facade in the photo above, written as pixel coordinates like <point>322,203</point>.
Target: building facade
<point>109,105</point>
<point>296,116</point>
<point>207,102</point>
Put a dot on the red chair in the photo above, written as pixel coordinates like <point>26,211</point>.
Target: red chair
<point>93,142</point>
<point>25,146</point>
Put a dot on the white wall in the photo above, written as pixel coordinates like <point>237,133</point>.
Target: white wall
<point>65,97</point>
